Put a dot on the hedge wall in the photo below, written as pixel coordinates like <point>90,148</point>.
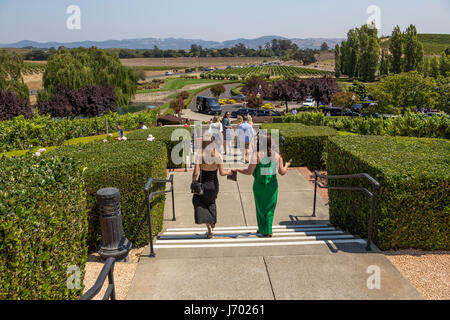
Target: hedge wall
<point>162,134</point>
<point>43,227</point>
<point>304,144</point>
<point>413,206</point>
<point>408,125</point>
<point>44,131</point>
<point>126,165</point>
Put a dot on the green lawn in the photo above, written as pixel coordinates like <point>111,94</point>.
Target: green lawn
<point>178,83</point>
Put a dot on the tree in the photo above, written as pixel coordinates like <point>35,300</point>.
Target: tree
<point>360,89</point>
<point>405,92</point>
<point>183,95</point>
<point>324,47</point>
<point>385,63</point>
<point>256,85</point>
<point>396,47</point>
<point>435,69</point>
<point>445,64</point>
<point>443,91</point>
<point>255,101</point>
<point>345,100</point>
<point>77,68</point>
<point>370,53</point>
<point>286,90</point>
<point>413,49</point>
<point>322,89</point>
<point>11,106</point>
<point>353,47</point>
<point>217,90</point>
<point>177,105</point>
<point>11,66</point>
<point>337,59</point>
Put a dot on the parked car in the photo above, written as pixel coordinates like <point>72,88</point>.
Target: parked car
<point>188,71</point>
<point>357,108</point>
<point>267,113</point>
<point>208,105</point>
<point>309,102</point>
<point>169,73</point>
<point>244,112</point>
<point>333,111</point>
<point>238,97</point>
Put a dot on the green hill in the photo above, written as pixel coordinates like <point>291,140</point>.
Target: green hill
<point>433,43</point>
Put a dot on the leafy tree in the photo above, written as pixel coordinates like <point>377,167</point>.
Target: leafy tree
<point>217,90</point>
<point>337,59</point>
<point>396,47</point>
<point>353,47</point>
<point>183,95</point>
<point>360,89</point>
<point>324,47</point>
<point>256,85</point>
<point>77,68</point>
<point>344,100</point>
<point>286,90</point>
<point>11,66</point>
<point>445,64</point>
<point>435,70</point>
<point>406,92</point>
<point>413,49</point>
<point>11,106</point>
<point>443,91</point>
<point>322,89</point>
<point>177,105</point>
<point>385,63</point>
<point>253,101</point>
<point>370,53</point>
<point>86,101</point>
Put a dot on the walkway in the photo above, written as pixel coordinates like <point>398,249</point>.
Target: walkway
<point>306,259</point>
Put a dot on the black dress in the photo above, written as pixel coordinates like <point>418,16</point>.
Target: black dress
<point>205,205</point>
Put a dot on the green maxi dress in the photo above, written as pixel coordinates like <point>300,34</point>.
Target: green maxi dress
<point>265,192</point>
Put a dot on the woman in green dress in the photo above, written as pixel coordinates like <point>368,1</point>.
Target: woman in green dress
<point>264,167</point>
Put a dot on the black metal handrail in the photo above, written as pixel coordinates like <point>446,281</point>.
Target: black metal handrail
<point>107,271</point>
<point>372,194</point>
<point>149,196</point>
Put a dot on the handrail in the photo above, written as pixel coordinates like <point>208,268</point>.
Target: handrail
<point>149,196</point>
<point>372,194</point>
<point>107,271</point>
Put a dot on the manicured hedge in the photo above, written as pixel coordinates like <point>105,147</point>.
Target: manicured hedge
<point>409,125</point>
<point>162,134</point>
<point>413,206</point>
<point>43,227</point>
<point>20,134</point>
<point>126,165</point>
<point>303,144</point>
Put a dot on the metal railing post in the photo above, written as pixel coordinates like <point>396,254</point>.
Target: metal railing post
<point>315,194</point>
<point>152,252</point>
<point>372,219</point>
<point>173,199</point>
<point>111,283</point>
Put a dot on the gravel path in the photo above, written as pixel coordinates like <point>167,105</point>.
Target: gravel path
<point>123,274</point>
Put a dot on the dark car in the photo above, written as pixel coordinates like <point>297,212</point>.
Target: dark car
<point>238,97</point>
<point>244,112</point>
<point>333,111</point>
<point>267,113</point>
<point>208,105</point>
<point>188,71</point>
<point>357,108</point>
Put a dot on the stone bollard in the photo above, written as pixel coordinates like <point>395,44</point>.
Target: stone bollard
<point>114,244</point>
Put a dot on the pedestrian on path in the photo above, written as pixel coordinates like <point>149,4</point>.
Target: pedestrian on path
<point>227,135</point>
<point>264,167</point>
<point>208,162</point>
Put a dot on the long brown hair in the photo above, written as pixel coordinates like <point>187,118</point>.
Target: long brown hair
<point>268,138</point>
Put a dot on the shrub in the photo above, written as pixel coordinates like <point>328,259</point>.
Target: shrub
<point>46,131</point>
<point>413,204</point>
<point>170,120</point>
<point>86,101</point>
<point>162,134</point>
<point>183,95</point>
<point>43,227</point>
<point>304,145</point>
<point>11,106</point>
<point>126,165</point>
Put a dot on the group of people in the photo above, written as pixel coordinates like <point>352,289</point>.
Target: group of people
<point>243,137</point>
<point>265,163</point>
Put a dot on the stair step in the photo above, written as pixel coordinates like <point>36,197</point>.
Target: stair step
<point>249,234</point>
<point>249,231</point>
<point>204,240</point>
<point>260,244</point>
<point>253,228</point>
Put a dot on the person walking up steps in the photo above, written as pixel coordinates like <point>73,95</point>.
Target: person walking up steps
<point>207,164</point>
<point>264,167</point>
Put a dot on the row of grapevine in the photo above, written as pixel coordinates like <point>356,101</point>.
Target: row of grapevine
<point>267,72</point>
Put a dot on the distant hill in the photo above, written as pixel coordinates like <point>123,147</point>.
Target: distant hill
<point>173,43</point>
<point>433,43</point>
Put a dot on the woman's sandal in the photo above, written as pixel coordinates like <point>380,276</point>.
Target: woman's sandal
<point>210,235</point>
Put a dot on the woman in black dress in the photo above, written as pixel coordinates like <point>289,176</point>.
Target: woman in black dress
<point>207,164</point>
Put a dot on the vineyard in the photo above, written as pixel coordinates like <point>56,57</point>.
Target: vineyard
<point>32,68</point>
<point>267,72</point>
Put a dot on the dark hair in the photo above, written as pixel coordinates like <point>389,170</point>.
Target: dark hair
<point>245,118</point>
<point>268,143</point>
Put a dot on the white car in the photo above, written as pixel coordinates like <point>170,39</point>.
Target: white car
<point>169,73</point>
<point>310,102</point>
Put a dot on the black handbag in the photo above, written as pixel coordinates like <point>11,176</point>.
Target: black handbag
<point>197,187</point>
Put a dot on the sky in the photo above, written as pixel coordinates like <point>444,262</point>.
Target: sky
<point>45,20</point>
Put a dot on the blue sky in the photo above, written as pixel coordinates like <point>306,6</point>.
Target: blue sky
<point>45,20</point>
